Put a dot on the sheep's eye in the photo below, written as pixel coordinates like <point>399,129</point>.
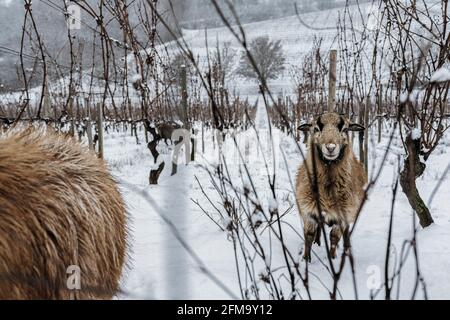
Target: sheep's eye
<point>341,124</point>
<point>345,130</point>
<point>316,129</point>
<point>320,124</point>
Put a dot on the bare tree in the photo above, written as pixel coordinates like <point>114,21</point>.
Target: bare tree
<point>421,52</point>
<point>268,56</point>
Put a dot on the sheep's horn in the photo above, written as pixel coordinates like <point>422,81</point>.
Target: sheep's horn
<point>304,127</point>
<point>356,127</point>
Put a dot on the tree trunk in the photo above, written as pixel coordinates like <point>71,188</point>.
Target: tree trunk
<point>152,147</point>
<point>154,174</point>
<point>414,168</point>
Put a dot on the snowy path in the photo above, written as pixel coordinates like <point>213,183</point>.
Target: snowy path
<point>159,266</point>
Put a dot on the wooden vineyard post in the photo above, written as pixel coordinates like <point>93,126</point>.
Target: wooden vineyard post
<point>379,112</point>
<point>47,102</point>
<point>361,135</point>
<point>100,130</point>
<point>184,103</point>
<point>89,125</point>
<point>72,117</point>
<point>332,81</point>
<point>203,138</point>
<point>366,135</point>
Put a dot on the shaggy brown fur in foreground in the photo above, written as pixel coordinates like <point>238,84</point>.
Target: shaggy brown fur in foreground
<point>59,206</point>
<point>340,181</point>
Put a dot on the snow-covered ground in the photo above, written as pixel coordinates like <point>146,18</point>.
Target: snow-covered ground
<point>160,267</point>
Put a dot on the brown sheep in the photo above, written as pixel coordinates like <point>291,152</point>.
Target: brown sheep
<point>163,130</point>
<point>166,130</point>
<point>59,207</point>
<point>340,181</point>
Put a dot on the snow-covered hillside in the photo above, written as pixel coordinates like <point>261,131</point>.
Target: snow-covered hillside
<point>296,33</point>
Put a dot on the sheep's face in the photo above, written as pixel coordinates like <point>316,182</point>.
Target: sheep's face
<point>329,133</point>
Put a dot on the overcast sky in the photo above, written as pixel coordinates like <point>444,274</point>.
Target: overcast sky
<point>5,2</point>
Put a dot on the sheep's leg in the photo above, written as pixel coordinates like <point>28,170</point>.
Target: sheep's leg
<point>347,239</point>
<point>310,231</point>
<point>317,239</point>
<point>335,237</point>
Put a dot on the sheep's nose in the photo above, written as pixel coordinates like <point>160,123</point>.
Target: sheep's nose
<point>331,147</point>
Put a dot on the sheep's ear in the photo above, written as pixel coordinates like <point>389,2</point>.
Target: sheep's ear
<point>356,127</point>
<point>304,127</point>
